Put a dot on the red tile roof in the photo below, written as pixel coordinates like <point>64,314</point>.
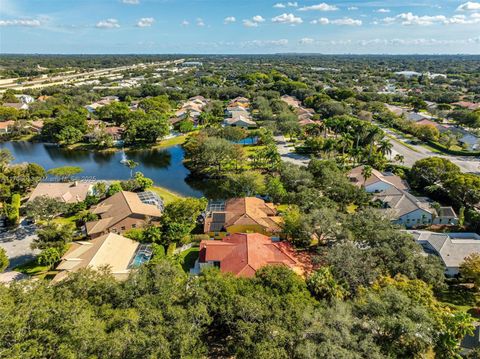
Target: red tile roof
<point>244,253</point>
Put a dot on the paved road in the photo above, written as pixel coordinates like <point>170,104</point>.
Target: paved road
<point>17,244</point>
<point>287,153</point>
<point>466,163</point>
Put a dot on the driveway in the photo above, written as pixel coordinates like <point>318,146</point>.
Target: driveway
<point>287,153</point>
<point>17,243</point>
<point>467,164</point>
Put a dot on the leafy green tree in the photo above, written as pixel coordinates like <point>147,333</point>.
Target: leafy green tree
<point>470,269</point>
<point>322,285</point>
<point>53,235</point>
<point>65,173</point>
<point>5,158</point>
<point>49,256</point>
<point>275,189</point>
<point>114,188</point>
<point>244,184</point>
<point>4,262</point>
<point>12,210</point>
<point>44,208</point>
<point>69,135</point>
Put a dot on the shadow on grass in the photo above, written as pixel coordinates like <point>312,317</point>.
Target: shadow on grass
<point>460,297</point>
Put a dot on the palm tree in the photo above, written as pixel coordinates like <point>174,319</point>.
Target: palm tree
<point>131,164</point>
<point>385,147</point>
<point>399,158</point>
<point>366,173</point>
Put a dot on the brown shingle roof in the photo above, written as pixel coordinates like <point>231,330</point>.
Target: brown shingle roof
<point>117,207</point>
<point>69,192</point>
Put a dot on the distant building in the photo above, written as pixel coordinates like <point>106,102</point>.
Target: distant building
<point>118,253</point>
<point>191,64</point>
<point>6,127</point>
<point>408,74</point>
<point>25,98</point>
<point>452,248</point>
<point>377,182</point>
<point>16,105</point>
<point>412,211</point>
<point>243,254</point>
<point>240,121</point>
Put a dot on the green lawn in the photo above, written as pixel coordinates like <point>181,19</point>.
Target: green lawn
<point>171,142</point>
<point>167,196</point>
<point>32,268</point>
<point>187,258</point>
<point>459,298</point>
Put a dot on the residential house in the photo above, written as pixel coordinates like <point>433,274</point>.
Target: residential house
<point>43,98</point>
<point>467,105</point>
<point>16,105</point>
<point>239,101</point>
<point>412,211</point>
<point>291,101</point>
<point>242,254</point>
<point>25,99</point>
<point>36,126</point>
<point>123,211</point>
<point>107,100</point>
<point>111,250</point>
<point>66,192</point>
<point>377,182</point>
<point>242,215</point>
<point>452,248</point>
<point>240,121</point>
<point>6,127</point>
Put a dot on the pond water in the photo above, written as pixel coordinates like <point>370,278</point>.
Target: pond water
<point>164,166</point>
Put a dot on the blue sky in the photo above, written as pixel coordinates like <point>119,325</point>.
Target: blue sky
<point>239,26</point>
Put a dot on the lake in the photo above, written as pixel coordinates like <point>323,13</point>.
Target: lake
<point>164,166</point>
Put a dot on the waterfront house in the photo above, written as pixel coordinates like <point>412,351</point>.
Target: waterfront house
<point>66,192</point>
<point>242,215</point>
<point>240,121</point>
<point>123,211</point>
<point>6,127</point>
<point>242,254</point>
<point>111,250</point>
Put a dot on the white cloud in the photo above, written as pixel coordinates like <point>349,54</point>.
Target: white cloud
<point>306,41</point>
<point>185,23</point>
<point>352,8</point>
<point>383,11</point>
<point>264,43</point>
<point>108,24</point>
<point>321,21</point>
<point>200,22</point>
<point>229,20</point>
<point>469,6</point>
<point>254,21</point>
<point>287,19</point>
<point>21,22</point>
<point>319,7</point>
<point>258,18</point>
<point>280,5</point>
<point>131,2</point>
<point>249,23</point>
<point>145,22</point>
<point>426,20</point>
<point>346,21</point>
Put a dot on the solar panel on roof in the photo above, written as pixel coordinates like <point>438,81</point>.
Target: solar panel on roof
<point>218,217</point>
<point>152,198</point>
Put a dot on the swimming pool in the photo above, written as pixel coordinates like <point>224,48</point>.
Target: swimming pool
<point>142,255</point>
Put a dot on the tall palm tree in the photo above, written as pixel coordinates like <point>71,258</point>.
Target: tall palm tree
<point>366,173</point>
<point>399,158</point>
<point>385,147</point>
<point>132,165</point>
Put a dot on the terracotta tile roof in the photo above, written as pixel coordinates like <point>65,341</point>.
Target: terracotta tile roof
<point>244,211</point>
<point>6,124</point>
<point>243,254</point>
